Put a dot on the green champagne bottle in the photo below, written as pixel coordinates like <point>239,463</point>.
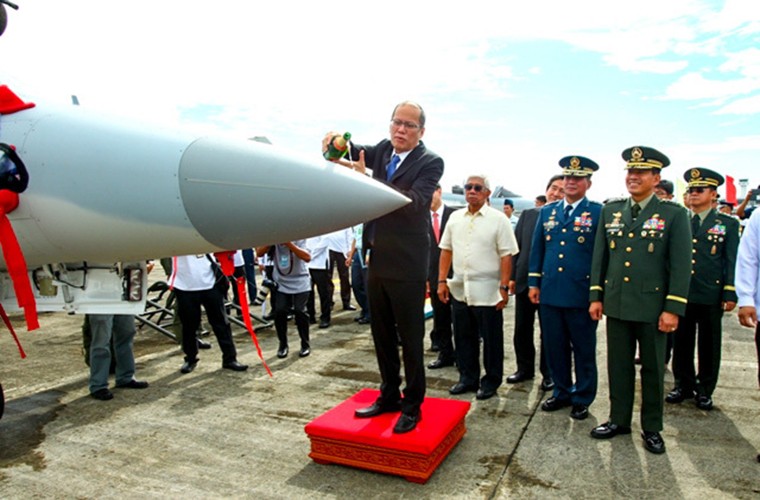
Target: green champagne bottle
<point>338,147</point>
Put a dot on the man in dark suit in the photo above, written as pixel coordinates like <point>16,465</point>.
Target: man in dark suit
<point>525,310</point>
<point>398,244</point>
<point>715,239</point>
<point>640,277</point>
<point>560,264</point>
<point>441,335</point>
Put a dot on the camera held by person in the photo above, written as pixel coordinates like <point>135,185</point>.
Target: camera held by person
<point>267,285</point>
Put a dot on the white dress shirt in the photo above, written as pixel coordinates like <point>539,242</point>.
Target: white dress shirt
<point>478,242</point>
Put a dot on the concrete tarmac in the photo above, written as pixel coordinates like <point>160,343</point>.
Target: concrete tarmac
<point>220,434</point>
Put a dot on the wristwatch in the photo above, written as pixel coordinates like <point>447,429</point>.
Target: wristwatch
<point>505,288</point>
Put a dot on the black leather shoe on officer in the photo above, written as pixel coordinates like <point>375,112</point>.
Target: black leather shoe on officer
<point>653,442</point>
<point>677,395</point>
<point>609,430</point>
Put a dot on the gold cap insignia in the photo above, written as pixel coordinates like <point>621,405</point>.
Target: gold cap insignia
<point>695,174</point>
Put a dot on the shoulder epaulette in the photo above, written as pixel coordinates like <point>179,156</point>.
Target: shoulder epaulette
<point>671,202</point>
<point>614,200</point>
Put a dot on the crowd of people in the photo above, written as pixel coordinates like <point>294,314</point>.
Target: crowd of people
<point>660,273</point>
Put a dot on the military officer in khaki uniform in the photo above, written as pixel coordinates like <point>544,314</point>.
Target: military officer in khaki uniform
<point>640,276</point>
<point>715,239</point>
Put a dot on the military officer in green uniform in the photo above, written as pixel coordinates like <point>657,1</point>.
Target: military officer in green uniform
<point>640,276</point>
<point>715,240</point>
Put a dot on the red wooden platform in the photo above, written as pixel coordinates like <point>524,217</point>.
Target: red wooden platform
<point>338,437</point>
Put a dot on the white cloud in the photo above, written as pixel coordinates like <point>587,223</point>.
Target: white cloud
<point>747,106</point>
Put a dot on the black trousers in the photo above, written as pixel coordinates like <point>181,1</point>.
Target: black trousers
<point>471,323</point>
<point>189,311</point>
<point>442,333</point>
<point>397,308</point>
<point>338,261</point>
<point>701,328</point>
<point>525,350</point>
<point>283,303</point>
<point>320,279</point>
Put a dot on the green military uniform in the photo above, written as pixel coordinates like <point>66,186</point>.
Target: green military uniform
<point>715,241</point>
<point>641,268</point>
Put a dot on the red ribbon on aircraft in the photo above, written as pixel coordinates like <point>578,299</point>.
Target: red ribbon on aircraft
<point>226,260</point>
<point>14,260</point>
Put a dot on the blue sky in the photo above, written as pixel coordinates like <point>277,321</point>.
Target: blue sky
<point>508,88</point>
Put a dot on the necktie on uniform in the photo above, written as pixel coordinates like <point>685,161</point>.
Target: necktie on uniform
<point>391,167</point>
<point>635,210</point>
<point>436,227</point>
<point>568,210</point>
<point>695,223</point>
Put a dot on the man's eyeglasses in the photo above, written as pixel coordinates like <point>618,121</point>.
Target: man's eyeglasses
<point>408,125</point>
<point>473,187</point>
<point>699,190</point>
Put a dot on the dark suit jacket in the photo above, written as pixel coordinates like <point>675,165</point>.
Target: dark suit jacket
<point>399,242</point>
<point>714,256</point>
<point>435,251</point>
<point>526,225</point>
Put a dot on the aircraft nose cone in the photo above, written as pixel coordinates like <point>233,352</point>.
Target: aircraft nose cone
<point>220,180</point>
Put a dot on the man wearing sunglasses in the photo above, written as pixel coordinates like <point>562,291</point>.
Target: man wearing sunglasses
<point>640,276</point>
<point>715,240</point>
<point>479,242</point>
<point>398,245</point>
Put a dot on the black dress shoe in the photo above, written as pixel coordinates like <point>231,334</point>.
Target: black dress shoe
<point>609,430</point>
<point>133,384</point>
<point>282,352</point>
<point>677,395</point>
<point>435,348</point>
<point>312,321</point>
<point>188,366</point>
<point>349,307</point>
<point>324,324</point>
<point>440,363</point>
<point>653,442</point>
<point>518,376</point>
<point>406,423</point>
<point>102,394</point>
<point>485,394</point>
<point>460,388</point>
<point>305,351</point>
<point>554,404</point>
<point>202,344</point>
<point>547,384</point>
<point>579,412</point>
<point>704,403</point>
<point>363,320</point>
<point>234,366</point>
<point>377,408</point>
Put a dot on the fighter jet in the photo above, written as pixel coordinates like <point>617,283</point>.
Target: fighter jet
<point>104,190</point>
